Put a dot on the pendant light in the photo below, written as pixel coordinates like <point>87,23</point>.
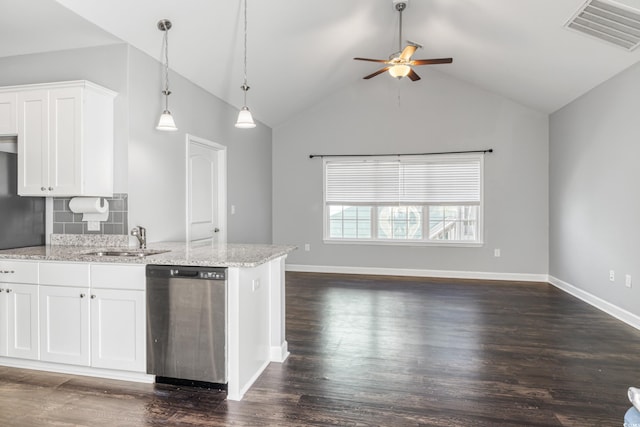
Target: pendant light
<point>166,122</point>
<point>245,121</point>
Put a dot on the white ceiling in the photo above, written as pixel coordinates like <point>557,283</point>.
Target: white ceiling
<point>299,51</point>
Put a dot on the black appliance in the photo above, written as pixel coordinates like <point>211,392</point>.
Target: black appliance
<point>22,219</point>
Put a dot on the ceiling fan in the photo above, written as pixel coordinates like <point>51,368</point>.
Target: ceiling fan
<point>399,63</point>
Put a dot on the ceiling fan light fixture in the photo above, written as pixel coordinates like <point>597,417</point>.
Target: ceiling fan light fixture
<point>245,120</point>
<point>399,71</point>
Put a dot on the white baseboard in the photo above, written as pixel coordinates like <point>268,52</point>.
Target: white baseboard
<point>280,353</point>
<point>77,370</point>
<point>480,275</point>
<point>240,393</point>
<point>611,309</point>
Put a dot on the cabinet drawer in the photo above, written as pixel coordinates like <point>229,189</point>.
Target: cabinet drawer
<point>118,276</point>
<point>64,274</point>
<point>18,271</point>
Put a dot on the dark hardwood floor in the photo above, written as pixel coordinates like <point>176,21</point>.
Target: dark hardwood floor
<point>391,351</point>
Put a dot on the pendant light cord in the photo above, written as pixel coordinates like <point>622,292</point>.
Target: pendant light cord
<point>166,91</point>
<point>245,87</point>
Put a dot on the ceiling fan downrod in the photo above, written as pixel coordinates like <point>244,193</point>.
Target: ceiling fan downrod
<point>400,7</point>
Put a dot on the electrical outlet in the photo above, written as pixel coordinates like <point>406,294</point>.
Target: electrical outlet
<point>307,247</point>
<point>93,225</point>
<point>627,280</point>
<point>612,276</point>
<point>233,209</point>
<point>255,285</point>
<point>496,253</point>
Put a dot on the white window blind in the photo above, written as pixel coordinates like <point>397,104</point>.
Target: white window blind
<point>424,180</point>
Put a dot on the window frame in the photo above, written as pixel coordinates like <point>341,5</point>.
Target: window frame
<point>374,240</point>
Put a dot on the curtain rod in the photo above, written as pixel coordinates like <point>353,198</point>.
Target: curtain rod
<point>311,156</point>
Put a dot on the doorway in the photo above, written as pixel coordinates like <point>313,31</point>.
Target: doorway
<point>206,191</point>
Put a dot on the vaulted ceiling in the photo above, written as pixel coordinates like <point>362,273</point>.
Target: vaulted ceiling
<point>299,51</point>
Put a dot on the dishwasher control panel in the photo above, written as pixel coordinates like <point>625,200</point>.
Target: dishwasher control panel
<point>186,272</point>
<point>212,275</point>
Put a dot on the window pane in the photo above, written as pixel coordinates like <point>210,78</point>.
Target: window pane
<point>453,222</point>
<point>400,222</point>
<point>349,222</point>
<point>335,221</point>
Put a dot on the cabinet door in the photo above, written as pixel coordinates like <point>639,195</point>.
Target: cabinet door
<point>65,141</point>
<point>64,324</point>
<point>3,320</point>
<point>33,136</point>
<point>8,110</point>
<point>22,320</point>
<point>118,330</point>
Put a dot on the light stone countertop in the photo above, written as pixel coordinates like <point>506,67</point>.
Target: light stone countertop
<point>179,253</point>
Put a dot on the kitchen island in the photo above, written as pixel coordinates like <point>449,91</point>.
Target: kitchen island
<point>255,307</point>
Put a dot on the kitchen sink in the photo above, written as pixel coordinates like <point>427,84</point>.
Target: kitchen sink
<point>126,253</point>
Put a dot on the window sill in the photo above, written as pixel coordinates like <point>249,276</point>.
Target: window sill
<point>456,244</point>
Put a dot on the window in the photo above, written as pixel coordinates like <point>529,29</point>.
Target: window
<point>415,199</point>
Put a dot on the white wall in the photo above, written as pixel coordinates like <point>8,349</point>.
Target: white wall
<point>439,113</point>
<point>594,199</point>
<point>157,159</point>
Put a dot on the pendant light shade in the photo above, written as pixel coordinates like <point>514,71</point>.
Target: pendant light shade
<point>245,120</point>
<point>166,122</point>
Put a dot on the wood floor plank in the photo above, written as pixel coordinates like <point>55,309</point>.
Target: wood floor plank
<point>385,351</point>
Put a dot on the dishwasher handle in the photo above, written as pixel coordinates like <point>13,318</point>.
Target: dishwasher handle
<point>176,272</point>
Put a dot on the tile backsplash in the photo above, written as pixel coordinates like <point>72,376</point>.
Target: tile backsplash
<point>67,222</point>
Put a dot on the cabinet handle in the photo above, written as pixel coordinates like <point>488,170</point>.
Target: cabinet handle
<point>50,188</point>
<point>43,188</point>
<point>7,271</point>
<point>9,290</point>
<point>81,295</point>
<point>93,297</point>
<point>1,289</point>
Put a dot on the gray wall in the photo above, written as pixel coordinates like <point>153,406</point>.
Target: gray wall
<point>594,199</point>
<point>438,114</point>
<point>150,165</point>
<point>157,169</point>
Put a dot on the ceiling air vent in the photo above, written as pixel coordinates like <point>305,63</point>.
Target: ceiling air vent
<point>609,22</point>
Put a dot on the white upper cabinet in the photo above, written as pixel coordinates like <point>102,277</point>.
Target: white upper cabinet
<point>8,110</point>
<point>65,139</point>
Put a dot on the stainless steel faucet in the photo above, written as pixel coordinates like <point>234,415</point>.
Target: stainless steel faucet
<point>141,234</point>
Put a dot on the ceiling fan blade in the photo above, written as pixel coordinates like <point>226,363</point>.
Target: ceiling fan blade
<point>383,61</point>
<point>431,61</point>
<point>408,52</point>
<point>380,71</point>
<point>413,76</point>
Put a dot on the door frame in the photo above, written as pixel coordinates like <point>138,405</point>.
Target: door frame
<point>222,183</point>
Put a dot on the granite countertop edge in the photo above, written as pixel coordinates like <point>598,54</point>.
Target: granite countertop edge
<point>177,253</point>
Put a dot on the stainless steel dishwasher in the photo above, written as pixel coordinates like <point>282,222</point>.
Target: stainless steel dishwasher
<point>186,324</point>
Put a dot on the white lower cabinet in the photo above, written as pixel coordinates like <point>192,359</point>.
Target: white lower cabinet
<point>73,313</point>
<point>19,309</point>
<point>64,325</point>
<point>3,320</point>
<point>118,329</point>
<point>21,320</point>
